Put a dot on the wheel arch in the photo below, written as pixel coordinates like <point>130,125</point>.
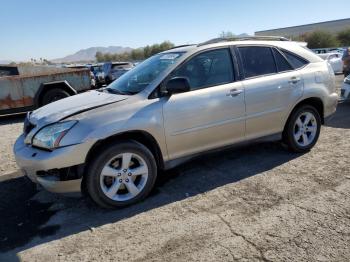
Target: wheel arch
<point>45,87</point>
<point>316,102</point>
<point>139,136</point>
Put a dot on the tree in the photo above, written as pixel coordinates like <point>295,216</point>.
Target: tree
<point>155,49</point>
<point>344,37</point>
<point>136,54</point>
<point>147,51</point>
<point>321,39</point>
<point>99,57</point>
<point>227,34</point>
<point>166,45</point>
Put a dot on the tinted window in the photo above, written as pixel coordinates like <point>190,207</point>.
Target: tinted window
<point>281,62</point>
<point>295,60</point>
<point>207,69</point>
<point>257,61</point>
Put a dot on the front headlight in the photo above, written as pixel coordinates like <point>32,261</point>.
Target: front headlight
<point>50,136</point>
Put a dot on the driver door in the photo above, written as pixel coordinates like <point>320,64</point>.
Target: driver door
<point>212,113</point>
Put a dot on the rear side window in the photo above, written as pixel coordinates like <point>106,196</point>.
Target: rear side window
<point>294,60</point>
<point>257,61</point>
<point>281,63</point>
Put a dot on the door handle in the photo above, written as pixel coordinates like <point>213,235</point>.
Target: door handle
<point>234,92</point>
<point>294,80</point>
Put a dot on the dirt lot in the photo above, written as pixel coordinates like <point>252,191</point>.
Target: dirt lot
<point>257,203</point>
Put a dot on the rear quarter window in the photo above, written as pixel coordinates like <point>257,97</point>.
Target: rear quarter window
<point>282,64</point>
<point>295,60</point>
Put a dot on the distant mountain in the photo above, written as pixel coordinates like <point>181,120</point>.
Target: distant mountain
<point>243,35</point>
<point>88,54</point>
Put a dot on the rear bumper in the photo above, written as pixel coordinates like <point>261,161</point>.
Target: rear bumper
<point>32,161</point>
<point>330,105</point>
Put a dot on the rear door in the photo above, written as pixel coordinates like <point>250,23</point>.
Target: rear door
<point>212,113</point>
<point>271,86</point>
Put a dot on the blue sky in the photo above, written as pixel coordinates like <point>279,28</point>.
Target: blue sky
<point>52,28</point>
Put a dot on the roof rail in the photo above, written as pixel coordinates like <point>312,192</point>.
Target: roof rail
<point>244,38</point>
<point>178,46</point>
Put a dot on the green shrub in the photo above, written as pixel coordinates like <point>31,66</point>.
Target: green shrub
<point>344,37</point>
<point>321,39</point>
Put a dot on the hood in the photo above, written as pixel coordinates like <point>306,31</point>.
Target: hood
<point>73,105</point>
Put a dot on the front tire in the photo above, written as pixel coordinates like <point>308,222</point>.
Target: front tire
<point>302,129</point>
<point>121,174</point>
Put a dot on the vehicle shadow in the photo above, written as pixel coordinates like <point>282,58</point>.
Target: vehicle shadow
<point>45,217</point>
<point>12,119</point>
<point>341,118</point>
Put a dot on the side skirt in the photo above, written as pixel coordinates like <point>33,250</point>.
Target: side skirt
<point>178,161</point>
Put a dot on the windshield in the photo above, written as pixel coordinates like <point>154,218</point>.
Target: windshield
<point>137,79</point>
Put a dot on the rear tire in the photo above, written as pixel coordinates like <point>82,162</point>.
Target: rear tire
<point>121,174</point>
<point>53,95</point>
<point>302,129</point>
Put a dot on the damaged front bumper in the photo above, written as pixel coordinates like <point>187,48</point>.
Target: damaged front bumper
<point>58,171</point>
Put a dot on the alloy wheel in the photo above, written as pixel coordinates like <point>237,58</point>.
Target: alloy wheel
<point>305,129</point>
<point>124,176</point>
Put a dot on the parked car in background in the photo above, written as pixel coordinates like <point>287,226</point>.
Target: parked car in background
<point>328,50</point>
<point>112,142</point>
<point>114,70</point>
<point>98,73</point>
<point>93,81</point>
<point>345,90</point>
<point>24,88</point>
<point>346,62</point>
<point>335,60</point>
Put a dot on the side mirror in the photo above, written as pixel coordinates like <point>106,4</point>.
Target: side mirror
<point>177,85</point>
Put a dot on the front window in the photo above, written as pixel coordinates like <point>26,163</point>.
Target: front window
<point>207,69</point>
<point>137,79</point>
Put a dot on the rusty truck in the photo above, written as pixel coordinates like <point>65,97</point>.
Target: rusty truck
<point>24,88</point>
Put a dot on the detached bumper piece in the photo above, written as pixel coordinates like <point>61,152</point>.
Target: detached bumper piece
<point>65,180</point>
<point>58,171</point>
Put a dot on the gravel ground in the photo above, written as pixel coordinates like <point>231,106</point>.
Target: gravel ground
<point>10,129</point>
<point>256,203</point>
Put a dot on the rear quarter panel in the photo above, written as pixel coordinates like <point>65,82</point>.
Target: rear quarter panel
<point>318,83</point>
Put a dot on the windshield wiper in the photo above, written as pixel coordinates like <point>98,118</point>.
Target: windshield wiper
<point>130,93</point>
<point>115,91</point>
